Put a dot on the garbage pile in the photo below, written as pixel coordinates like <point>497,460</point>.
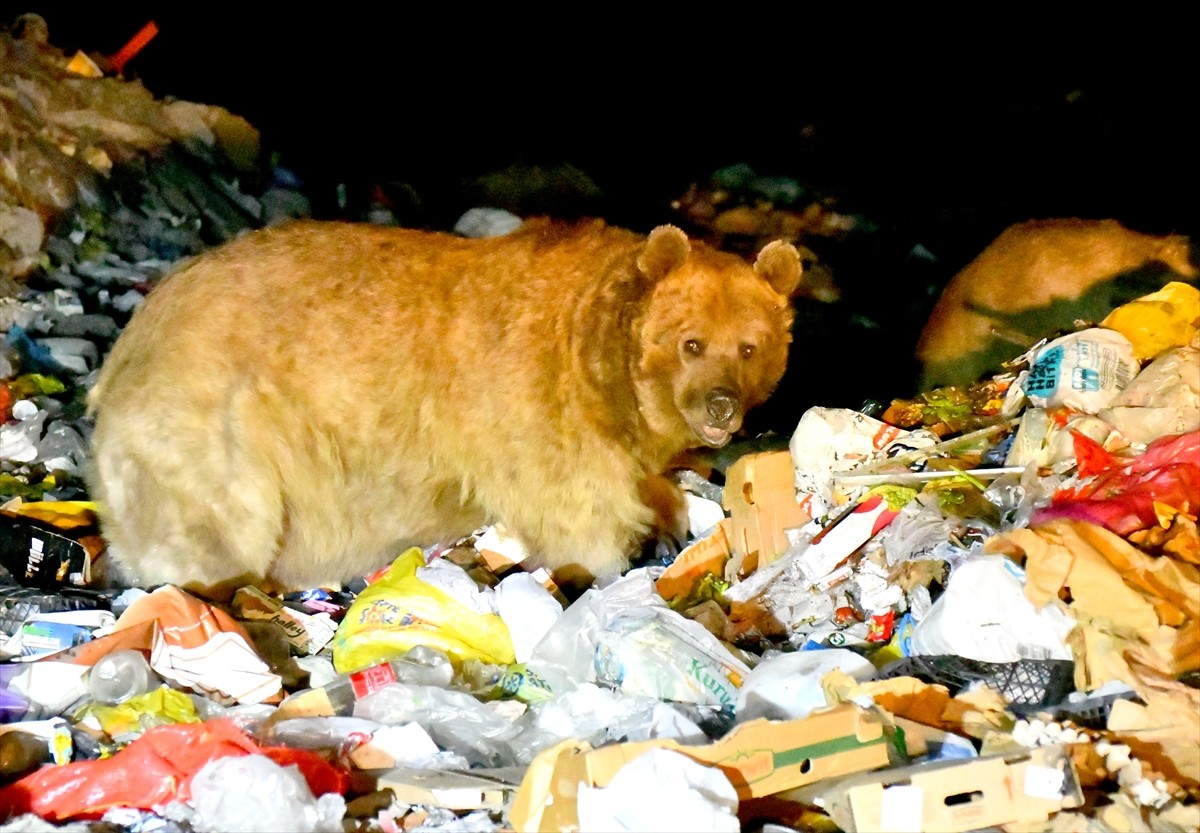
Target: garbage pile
<point>978,609</point>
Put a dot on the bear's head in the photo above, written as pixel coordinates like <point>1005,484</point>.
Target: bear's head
<point>713,337</point>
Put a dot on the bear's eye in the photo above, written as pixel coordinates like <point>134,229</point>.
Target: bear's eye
<point>748,350</point>
<point>694,346</point>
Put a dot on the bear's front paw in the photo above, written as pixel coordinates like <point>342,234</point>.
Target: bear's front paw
<point>669,505</point>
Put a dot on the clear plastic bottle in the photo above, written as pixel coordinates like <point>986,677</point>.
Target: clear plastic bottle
<point>492,682</point>
<point>422,665</point>
<point>120,675</point>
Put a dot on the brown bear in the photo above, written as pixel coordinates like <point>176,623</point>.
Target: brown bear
<point>297,406</point>
<point>1036,279</point>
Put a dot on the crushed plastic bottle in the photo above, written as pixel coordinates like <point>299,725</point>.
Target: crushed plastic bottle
<point>421,665</point>
<point>121,675</point>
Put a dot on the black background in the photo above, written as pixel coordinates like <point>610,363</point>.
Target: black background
<point>941,129</point>
<point>998,119</point>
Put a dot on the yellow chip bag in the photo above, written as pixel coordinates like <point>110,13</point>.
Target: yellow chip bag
<point>399,612</point>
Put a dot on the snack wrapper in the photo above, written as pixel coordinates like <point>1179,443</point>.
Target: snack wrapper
<point>400,611</point>
<point>1083,370</point>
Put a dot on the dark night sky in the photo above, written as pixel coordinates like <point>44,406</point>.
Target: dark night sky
<point>940,130</point>
<point>953,124</point>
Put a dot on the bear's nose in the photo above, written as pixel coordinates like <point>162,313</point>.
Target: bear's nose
<point>720,404</point>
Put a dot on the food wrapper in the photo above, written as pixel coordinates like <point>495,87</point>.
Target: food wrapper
<point>400,611</point>
<point>306,633</point>
<point>191,643</point>
<point>838,439</point>
<point>50,544</point>
<point>1083,370</point>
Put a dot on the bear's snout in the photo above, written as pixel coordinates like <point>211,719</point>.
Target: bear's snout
<point>721,404</point>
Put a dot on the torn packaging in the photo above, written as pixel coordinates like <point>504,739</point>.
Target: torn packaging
<point>296,407</point>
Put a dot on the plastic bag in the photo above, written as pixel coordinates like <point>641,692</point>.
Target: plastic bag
<point>1084,370</point>
<point>400,611</point>
<point>454,719</point>
<point>788,686</point>
<point>1125,495</point>
<point>1158,321</point>
<point>984,615</point>
<point>626,637</point>
<point>153,770</point>
<point>228,797</point>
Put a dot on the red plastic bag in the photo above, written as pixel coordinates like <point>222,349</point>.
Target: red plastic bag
<point>151,771</point>
<point>322,776</point>
<point>1120,494</point>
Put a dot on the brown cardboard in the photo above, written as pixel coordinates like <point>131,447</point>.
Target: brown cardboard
<point>760,496</point>
<point>708,555</point>
<point>481,789</point>
<point>760,758</point>
<point>306,633</point>
<point>952,796</point>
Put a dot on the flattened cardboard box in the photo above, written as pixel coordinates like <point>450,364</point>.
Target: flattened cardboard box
<point>760,496</point>
<point>951,796</point>
<point>484,789</point>
<point>760,758</point>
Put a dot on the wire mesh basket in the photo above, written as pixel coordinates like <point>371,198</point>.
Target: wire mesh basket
<point>1027,683</point>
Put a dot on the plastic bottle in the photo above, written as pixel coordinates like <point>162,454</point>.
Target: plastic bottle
<point>422,665</point>
<point>120,675</point>
<point>492,682</point>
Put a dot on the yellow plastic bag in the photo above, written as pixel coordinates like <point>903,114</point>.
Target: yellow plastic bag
<point>1158,321</point>
<point>125,721</point>
<point>399,612</point>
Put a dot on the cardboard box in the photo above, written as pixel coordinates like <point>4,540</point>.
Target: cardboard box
<point>307,633</point>
<point>760,758</point>
<point>950,796</point>
<point>760,497</point>
<point>478,789</point>
<point>842,538</point>
<point>708,555</point>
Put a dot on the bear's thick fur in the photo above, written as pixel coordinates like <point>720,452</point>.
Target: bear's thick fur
<point>297,406</point>
<point>1035,279</point>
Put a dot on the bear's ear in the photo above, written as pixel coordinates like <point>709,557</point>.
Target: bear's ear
<point>779,265</point>
<point>666,249</point>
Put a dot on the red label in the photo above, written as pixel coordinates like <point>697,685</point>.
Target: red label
<point>371,679</point>
<point>884,435</point>
<point>881,624</point>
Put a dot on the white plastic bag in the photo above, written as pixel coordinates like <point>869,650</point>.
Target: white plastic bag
<point>253,794</point>
<point>627,638</point>
<point>788,686</point>
<point>983,615</point>
<point>661,790</point>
